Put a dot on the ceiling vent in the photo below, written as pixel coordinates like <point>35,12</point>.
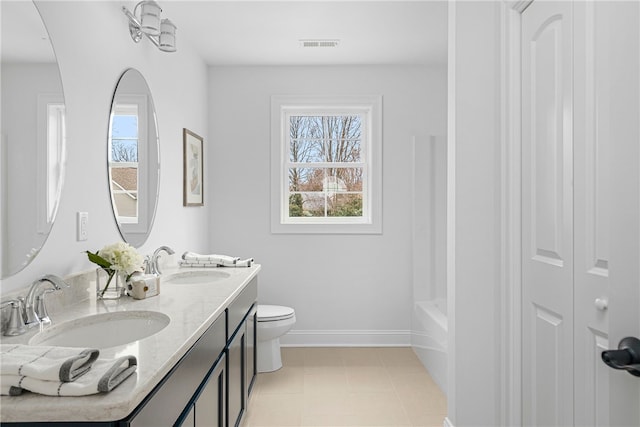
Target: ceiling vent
<point>319,43</point>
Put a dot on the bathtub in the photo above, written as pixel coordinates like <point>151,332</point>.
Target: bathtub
<point>429,338</point>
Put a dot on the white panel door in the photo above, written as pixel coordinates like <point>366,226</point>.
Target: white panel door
<point>581,210</point>
<point>623,55</point>
<point>592,141</point>
<point>547,214</point>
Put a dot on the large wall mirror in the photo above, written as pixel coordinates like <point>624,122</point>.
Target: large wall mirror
<point>32,133</point>
<point>133,157</point>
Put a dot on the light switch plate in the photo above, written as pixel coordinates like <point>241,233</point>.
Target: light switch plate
<point>83,226</point>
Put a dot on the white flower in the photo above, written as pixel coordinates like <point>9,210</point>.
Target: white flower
<point>123,257</point>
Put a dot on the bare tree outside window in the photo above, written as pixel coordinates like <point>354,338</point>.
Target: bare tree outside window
<point>326,176</point>
<point>124,151</point>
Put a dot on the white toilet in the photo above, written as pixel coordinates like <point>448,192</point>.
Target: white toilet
<point>273,322</point>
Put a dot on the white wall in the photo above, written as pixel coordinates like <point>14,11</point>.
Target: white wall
<point>93,46</point>
<point>338,284</point>
<point>474,233</point>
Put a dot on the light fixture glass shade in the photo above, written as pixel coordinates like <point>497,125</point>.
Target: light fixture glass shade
<point>167,36</point>
<point>150,17</point>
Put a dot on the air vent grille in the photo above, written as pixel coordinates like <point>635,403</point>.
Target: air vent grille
<point>319,43</point>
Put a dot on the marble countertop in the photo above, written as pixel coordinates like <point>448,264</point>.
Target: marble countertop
<point>192,308</point>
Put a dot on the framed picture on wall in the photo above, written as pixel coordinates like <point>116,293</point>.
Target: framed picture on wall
<point>193,167</point>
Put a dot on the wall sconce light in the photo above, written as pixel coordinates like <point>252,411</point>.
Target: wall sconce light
<point>162,33</point>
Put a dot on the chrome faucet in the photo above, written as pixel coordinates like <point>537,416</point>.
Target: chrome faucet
<point>35,312</point>
<point>15,325</point>
<point>152,264</point>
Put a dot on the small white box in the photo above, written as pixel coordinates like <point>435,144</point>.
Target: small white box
<point>143,286</point>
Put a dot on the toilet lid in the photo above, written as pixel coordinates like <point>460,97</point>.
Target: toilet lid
<point>270,313</point>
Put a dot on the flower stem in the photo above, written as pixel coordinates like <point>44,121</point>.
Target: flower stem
<point>111,274</point>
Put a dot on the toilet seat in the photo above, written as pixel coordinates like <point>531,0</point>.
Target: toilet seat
<point>273,313</point>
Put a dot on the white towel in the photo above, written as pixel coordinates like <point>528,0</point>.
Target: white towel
<point>46,363</point>
<point>213,258</point>
<point>104,376</point>
<point>210,264</point>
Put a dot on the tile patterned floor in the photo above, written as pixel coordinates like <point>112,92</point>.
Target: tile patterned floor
<point>329,387</point>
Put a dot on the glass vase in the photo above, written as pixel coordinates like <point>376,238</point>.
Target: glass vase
<point>109,289</point>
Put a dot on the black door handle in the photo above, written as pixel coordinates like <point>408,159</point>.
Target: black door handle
<point>626,357</point>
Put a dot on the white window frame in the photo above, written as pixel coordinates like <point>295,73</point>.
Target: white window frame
<point>123,103</point>
<point>50,157</point>
<point>370,108</point>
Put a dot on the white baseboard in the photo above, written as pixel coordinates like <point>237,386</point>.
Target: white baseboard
<point>447,422</point>
<point>346,338</point>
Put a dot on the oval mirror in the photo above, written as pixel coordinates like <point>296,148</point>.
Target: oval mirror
<point>32,150</point>
<point>133,157</point>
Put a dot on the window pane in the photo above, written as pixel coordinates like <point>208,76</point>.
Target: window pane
<point>342,150</point>
<point>124,126</point>
<point>306,179</point>
<point>307,205</point>
<point>344,205</point>
<point>303,127</point>
<point>305,150</point>
<point>325,138</point>
<point>124,150</point>
<point>343,179</point>
<point>124,186</point>
<point>124,138</point>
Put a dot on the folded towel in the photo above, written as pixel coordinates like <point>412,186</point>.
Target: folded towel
<point>217,259</point>
<point>104,376</point>
<point>9,390</point>
<point>210,264</point>
<point>46,363</point>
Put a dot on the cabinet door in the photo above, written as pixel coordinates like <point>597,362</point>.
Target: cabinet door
<point>211,404</point>
<point>251,366</point>
<point>188,420</point>
<point>236,361</point>
<point>166,404</point>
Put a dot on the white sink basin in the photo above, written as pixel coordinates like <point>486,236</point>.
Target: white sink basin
<point>103,330</point>
<point>196,277</point>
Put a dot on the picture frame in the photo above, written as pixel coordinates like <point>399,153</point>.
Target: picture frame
<point>193,169</point>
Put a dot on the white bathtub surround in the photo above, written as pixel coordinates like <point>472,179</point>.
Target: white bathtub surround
<point>429,317</point>
<point>429,339</point>
<point>191,308</point>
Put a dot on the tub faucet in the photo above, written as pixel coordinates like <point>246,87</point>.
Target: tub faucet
<point>35,312</point>
<point>152,264</point>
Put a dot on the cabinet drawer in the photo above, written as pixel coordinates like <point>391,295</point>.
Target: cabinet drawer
<point>175,391</point>
<point>240,306</point>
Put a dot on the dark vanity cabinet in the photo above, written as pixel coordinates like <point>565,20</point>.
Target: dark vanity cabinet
<point>221,400</point>
<point>183,393</point>
<point>220,396</point>
<point>252,342</point>
<point>209,404</point>
<point>241,352</point>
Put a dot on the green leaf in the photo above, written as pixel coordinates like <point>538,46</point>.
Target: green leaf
<point>97,259</point>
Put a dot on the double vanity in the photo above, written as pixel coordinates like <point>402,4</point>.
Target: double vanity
<point>195,344</point>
